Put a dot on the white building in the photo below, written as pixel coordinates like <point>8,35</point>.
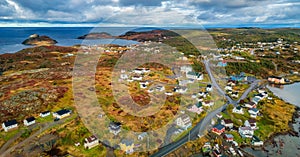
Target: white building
<point>8,125</point>
<point>184,121</point>
<point>91,142</point>
<point>29,121</point>
<point>45,114</point>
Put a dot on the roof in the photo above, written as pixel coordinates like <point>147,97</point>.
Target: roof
<point>254,109</point>
<point>91,139</point>
<point>45,112</point>
<point>115,125</point>
<point>10,123</point>
<point>228,135</point>
<point>250,103</point>
<point>62,112</point>
<point>30,119</point>
<point>127,142</point>
<point>252,121</point>
<point>227,121</point>
<point>194,73</point>
<point>238,107</point>
<point>199,104</point>
<point>219,126</point>
<point>209,86</point>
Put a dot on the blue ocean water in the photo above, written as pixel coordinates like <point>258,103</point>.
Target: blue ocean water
<point>12,37</point>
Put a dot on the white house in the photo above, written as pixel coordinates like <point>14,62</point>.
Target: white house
<point>250,104</point>
<point>143,86</point>
<point>137,78</point>
<point>62,113</point>
<point>184,121</point>
<point>228,88</point>
<point>45,114</point>
<point>138,71</point>
<point>91,142</point>
<point>250,123</point>
<point>169,93</point>
<point>253,111</point>
<point>208,103</point>
<point>227,123</point>
<point>124,76</point>
<point>246,132</point>
<point>194,75</point>
<point>29,121</point>
<point>160,88</point>
<point>209,88</point>
<point>238,110</point>
<point>142,135</point>
<point>235,94</point>
<point>180,89</point>
<point>8,125</point>
<point>114,127</point>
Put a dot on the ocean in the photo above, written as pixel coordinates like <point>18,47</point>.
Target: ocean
<point>11,38</point>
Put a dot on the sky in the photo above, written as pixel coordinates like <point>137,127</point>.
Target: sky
<point>21,13</point>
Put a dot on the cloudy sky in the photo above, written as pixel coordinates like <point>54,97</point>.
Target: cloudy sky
<point>149,12</point>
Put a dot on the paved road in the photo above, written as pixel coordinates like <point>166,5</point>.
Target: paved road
<point>200,127</point>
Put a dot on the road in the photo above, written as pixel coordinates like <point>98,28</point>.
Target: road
<point>200,127</point>
<point>44,126</point>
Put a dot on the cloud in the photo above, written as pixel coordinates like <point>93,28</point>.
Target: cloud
<point>154,12</point>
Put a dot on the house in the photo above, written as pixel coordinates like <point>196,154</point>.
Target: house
<point>238,110</point>
<point>246,132</point>
<point>227,123</point>
<point>143,86</point>
<point>114,127</point>
<point>146,70</point>
<point>61,114</point>
<point>45,114</point>
<point>138,71</point>
<point>186,69</point>
<point>127,146</point>
<point>29,121</point>
<point>124,76</point>
<point>8,125</point>
<point>169,93</point>
<point>235,94</point>
<point>142,135</point>
<point>160,88</point>
<point>180,89</point>
<point>228,88</point>
<point>201,93</point>
<point>150,90</point>
<point>253,111</point>
<point>256,100</point>
<point>275,79</point>
<point>209,88</point>
<point>137,78</point>
<point>208,103</point>
<point>219,115</point>
<point>228,137</point>
<point>250,104</point>
<point>194,75</point>
<point>218,129</point>
<point>197,108</point>
<point>250,123</point>
<point>91,142</point>
<point>184,121</point>
<point>256,141</point>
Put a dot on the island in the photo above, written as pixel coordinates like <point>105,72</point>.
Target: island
<point>36,39</point>
<point>95,35</point>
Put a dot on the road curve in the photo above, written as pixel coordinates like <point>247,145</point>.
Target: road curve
<point>201,126</point>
